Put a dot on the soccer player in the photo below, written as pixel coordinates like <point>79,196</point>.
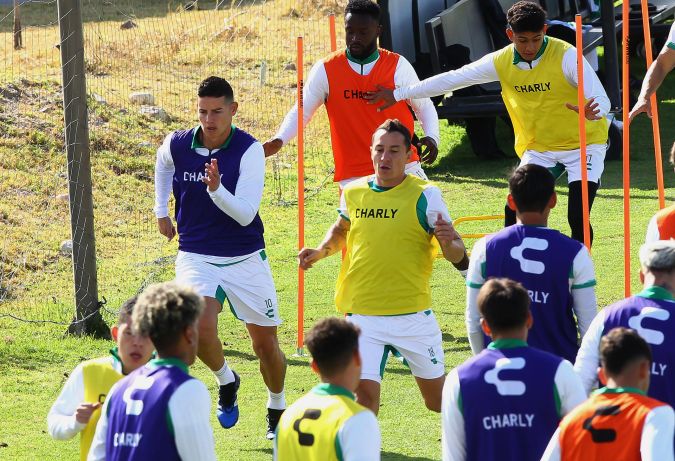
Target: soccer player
<point>619,421</point>
<point>388,223</point>
<point>159,411</point>
<point>662,224</point>
<point>506,402</point>
<point>77,408</point>
<point>538,76</point>
<point>651,313</point>
<point>327,424</point>
<point>556,270</point>
<point>340,81</point>
<point>217,172</point>
<point>656,73</point>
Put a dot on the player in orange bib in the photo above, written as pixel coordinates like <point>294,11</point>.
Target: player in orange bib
<point>662,224</point>
<point>618,422</point>
<point>340,82</point>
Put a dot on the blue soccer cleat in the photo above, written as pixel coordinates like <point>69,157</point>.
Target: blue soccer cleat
<point>227,411</point>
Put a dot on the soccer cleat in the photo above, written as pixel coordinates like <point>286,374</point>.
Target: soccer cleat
<point>228,410</point>
<point>273,417</point>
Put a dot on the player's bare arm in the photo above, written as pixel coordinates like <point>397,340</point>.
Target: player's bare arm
<point>272,146</point>
<point>450,241</point>
<point>591,110</point>
<point>212,175</point>
<point>166,227</point>
<point>335,240</point>
<point>663,64</point>
<point>381,95</point>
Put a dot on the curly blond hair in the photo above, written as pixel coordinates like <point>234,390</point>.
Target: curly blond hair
<point>164,310</point>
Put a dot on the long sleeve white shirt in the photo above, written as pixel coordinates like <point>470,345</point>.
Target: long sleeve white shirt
<point>241,206</point>
<point>189,410</point>
<point>656,443</point>
<point>61,422</point>
<point>584,301</point>
<point>484,71</point>
<point>453,435</point>
<point>316,91</point>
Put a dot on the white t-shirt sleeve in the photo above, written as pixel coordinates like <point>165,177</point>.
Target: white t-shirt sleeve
<point>97,449</point>
<point>552,452</point>
<point>435,206</point>
<point>656,443</point>
<point>314,94</point>
<point>189,409</point>
<point>164,170</point>
<point>453,434</point>
<point>61,422</point>
<point>244,204</point>
<point>653,234</point>
<point>588,357</point>
<point>476,73</point>
<point>570,389</point>
<point>584,302</point>
<point>592,86</point>
<point>360,438</point>
<point>475,279</point>
<point>424,108</point>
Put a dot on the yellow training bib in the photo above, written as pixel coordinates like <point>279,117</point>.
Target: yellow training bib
<point>535,99</point>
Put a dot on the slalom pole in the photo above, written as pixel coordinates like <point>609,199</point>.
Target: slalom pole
<point>655,111</point>
<point>301,201</point>
<point>333,38</point>
<point>581,101</point>
<point>625,68</point>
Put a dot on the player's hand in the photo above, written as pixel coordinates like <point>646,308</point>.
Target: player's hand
<point>428,150</point>
<point>444,231</point>
<point>166,227</point>
<point>382,95</point>
<point>272,146</point>
<point>212,175</point>
<point>84,411</point>
<point>642,105</point>
<point>591,110</point>
<point>308,256</point>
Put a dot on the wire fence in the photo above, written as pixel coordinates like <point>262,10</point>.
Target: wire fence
<point>144,60</point>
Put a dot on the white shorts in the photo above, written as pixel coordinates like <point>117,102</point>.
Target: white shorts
<point>569,160</point>
<point>414,168</point>
<point>416,337</point>
<point>246,285</point>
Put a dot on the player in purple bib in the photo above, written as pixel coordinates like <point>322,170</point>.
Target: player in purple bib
<point>216,172</point>
<point>159,411</point>
<point>506,402</point>
<point>651,313</point>
<point>556,270</point>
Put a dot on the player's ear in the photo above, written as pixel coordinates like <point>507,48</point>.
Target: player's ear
<point>234,107</point>
<point>545,29</point>
<point>114,331</point>
<point>642,276</point>
<point>511,202</point>
<point>357,357</point>
<point>509,33</point>
<point>602,377</point>
<point>553,201</point>
<point>530,320</point>
<point>485,327</point>
<point>315,367</point>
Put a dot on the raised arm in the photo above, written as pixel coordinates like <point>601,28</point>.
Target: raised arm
<point>335,240</point>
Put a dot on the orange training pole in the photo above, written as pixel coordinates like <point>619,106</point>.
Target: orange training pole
<point>333,39</point>
<point>655,112</point>
<point>301,202</point>
<point>626,146</point>
<point>581,101</point>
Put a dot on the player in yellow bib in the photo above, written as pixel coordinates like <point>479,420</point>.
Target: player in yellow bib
<point>327,424</point>
<point>391,224</point>
<point>538,76</point>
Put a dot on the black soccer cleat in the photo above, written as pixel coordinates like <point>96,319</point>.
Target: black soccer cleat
<point>227,411</point>
<point>273,417</point>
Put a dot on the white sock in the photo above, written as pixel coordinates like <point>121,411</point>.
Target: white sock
<point>276,401</point>
<point>224,375</point>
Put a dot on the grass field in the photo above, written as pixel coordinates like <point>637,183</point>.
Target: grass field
<point>35,357</point>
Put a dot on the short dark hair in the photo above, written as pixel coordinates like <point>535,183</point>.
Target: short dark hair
<point>531,187</point>
<point>395,126</point>
<point>215,87</point>
<point>526,16</point>
<point>332,343</point>
<point>622,347</point>
<point>126,310</point>
<point>363,7</point>
<point>504,304</point>
<point>163,311</point>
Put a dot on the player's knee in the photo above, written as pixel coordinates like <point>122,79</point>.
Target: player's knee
<point>266,346</point>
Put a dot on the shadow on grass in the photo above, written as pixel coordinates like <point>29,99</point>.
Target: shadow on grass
<point>267,451</point>
<point>389,456</point>
<point>229,353</point>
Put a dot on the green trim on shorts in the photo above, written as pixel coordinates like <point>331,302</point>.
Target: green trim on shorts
<point>556,398</point>
<point>263,255</point>
<point>557,170</point>
<point>671,45</point>
<point>229,264</point>
<point>221,296</point>
<point>590,283</point>
<point>338,447</point>
<point>460,403</point>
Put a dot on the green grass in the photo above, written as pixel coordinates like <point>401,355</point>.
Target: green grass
<point>35,357</point>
